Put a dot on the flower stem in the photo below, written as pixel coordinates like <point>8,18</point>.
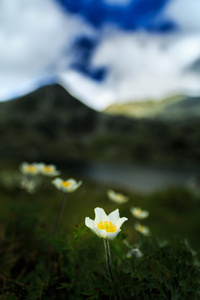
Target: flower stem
<point>60,211</point>
<point>108,258</point>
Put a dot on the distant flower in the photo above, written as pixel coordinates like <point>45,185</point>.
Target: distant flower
<point>66,186</point>
<point>139,213</point>
<point>48,170</point>
<point>104,226</point>
<point>29,169</point>
<point>116,197</point>
<point>29,185</point>
<point>135,252</point>
<point>142,229</point>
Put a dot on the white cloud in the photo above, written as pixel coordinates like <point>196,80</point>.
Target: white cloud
<point>93,94</point>
<point>141,66</point>
<point>185,12</point>
<point>36,38</point>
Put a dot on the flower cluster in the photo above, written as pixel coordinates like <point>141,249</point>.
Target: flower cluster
<point>105,226</point>
<point>138,213</point>
<point>30,173</point>
<point>38,168</point>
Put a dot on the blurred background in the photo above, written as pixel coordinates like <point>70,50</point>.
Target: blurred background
<point>107,89</point>
<point>109,92</point>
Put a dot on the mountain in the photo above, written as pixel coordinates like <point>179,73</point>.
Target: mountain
<point>173,108</point>
<point>52,126</point>
<point>48,123</point>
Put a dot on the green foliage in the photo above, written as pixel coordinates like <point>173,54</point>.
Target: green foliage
<point>37,263</point>
<point>73,266</point>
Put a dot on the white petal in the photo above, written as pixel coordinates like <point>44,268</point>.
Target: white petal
<point>100,215</point>
<point>73,185</point>
<point>72,181</point>
<point>112,235</point>
<point>145,213</point>
<point>120,222</point>
<point>52,166</point>
<point>40,165</point>
<point>89,223</point>
<point>111,194</point>
<point>73,188</point>
<point>57,182</point>
<point>78,184</point>
<point>101,232</point>
<point>114,216</point>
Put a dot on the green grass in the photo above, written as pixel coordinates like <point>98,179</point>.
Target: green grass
<point>37,264</point>
<point>172,211</point>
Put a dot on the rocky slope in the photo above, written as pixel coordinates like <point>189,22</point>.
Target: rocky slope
<point>52,126</point>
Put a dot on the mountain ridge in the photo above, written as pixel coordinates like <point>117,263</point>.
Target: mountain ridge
<point>51,125</point>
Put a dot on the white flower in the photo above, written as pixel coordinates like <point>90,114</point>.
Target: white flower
<point>66,186</point>
<point>48,170</point>
<point>29,185</point>
<point>142,229</point>
<point>139,213</point>
<point>116,197</point>
<point>104,226</point>
<point>29,169</point>
<point>135,252</point>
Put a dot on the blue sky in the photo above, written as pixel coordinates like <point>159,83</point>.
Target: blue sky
<point>103,52</point>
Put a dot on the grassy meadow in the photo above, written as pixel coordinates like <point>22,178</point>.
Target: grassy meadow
<point>70,263</point>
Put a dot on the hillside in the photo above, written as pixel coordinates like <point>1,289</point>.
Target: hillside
<point>52,126</point>
<point>174,108</point>
<point>48,123</point>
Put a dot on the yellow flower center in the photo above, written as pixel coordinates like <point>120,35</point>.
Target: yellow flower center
<point>31,169</point>
<point>48,169</point>
<point>107,226</point>
<point>66,184</point>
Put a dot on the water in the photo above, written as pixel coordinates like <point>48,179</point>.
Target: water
<point>132,176</point>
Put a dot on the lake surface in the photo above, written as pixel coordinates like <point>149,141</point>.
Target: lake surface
<point>132,176</point>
